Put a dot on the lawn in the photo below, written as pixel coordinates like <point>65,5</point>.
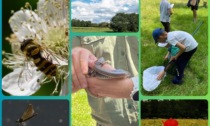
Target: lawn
<point>81,110</point>
<point>196,72</point>
<point>182,122</point>
<point>91,29</point>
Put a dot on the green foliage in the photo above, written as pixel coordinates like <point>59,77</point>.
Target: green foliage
<point>103,24</point>
<point>122,22</point>
<point>91,29</point>
<point>196,77</point>
<point>81,23</point>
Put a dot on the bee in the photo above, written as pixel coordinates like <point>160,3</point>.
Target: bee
<point>43,59</point>
<point>33,50</point>
<point>27,114</point>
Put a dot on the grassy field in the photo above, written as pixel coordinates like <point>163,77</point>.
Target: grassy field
<point>196,77</point>
<point>81,110</point>
<point>91,29</point>
<point>182,122</point>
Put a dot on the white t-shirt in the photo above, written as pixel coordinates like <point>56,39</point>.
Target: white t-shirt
<point>182,37</point>
<point>164,11</point>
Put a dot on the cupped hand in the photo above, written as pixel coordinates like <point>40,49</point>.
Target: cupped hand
<point>82,59</point>
<point>115,88</point>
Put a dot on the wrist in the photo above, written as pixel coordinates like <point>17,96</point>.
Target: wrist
<point>127,87</point>
<point>135,90</point>
<point>176,57</point>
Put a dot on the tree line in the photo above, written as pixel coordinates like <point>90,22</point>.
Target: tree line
<point>81,23</point>
<point>192,109</point>
<point>121,22</point>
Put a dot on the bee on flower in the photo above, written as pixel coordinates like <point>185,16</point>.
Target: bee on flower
<point>40,48</point>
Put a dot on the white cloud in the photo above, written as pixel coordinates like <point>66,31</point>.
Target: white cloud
<point>102,10</point>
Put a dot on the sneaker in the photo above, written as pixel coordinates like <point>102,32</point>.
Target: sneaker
<point>176,80</point>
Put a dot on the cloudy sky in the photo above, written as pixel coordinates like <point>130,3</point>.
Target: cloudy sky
<point>101,10</point>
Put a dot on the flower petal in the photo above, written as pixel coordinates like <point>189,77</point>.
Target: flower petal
<point>56,12</point>
<point>10,83</point>
<point>27,24</point>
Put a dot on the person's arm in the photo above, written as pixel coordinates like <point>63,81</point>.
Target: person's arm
<point>170,11</point>
<point>161,75</point>
<point>115,88</point>
<point>182,48</point>
<point>166,56</point>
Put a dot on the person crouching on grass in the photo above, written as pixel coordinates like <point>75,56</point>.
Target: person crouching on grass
<point>187,46</point>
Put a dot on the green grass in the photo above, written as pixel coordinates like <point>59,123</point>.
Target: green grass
<point>81,112</point>
<point>195,81</point>
<point>196,72</point>
<point>182,122</point>
<point>91,29</point>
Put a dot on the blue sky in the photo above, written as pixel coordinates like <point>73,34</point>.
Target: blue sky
<point>101,10</point>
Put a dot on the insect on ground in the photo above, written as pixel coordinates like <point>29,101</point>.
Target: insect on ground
<point>27,114</point>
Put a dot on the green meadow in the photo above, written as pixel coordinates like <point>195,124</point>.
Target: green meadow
<point>196,72</point>
<point>91,29</point>
<point>81,110</point>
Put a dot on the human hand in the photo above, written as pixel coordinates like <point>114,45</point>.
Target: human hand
<point>81,60</point>
<point>115,88</point>
<point>160,75</point>
<point>166,57</point>
<point>173,58</point>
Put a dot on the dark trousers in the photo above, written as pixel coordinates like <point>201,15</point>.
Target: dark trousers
<point>166,26</point>
<point>182,61</point>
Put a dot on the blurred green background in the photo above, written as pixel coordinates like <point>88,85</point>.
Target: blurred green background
<point>7,6</point>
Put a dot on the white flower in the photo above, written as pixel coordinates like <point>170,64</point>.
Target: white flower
<point>48,26</point>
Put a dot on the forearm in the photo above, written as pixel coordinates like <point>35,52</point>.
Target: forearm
<point>180,52</point>
<point>170,11</point>
<point>166,56</point>
<point>182,49</point>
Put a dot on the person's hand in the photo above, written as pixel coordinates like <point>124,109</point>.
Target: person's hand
<point>81,60</point>
<point>160,75</point>
<point>173,58</point>
<point>115,88</point>
<point>166,57</point>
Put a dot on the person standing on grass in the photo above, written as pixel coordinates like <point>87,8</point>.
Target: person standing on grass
<point>194,7</point>
<point>187,46</point>
<point>165,13</point>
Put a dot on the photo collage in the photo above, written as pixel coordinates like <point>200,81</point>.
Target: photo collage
<point>104,63</point>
